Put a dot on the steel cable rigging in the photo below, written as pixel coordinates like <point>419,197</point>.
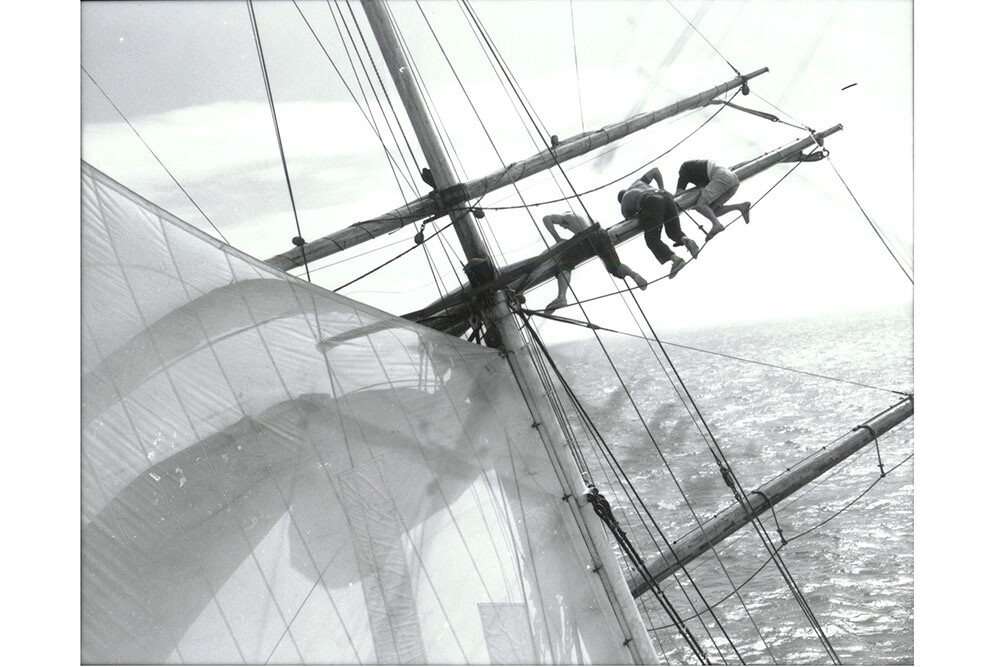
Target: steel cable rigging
<point>277,132</point>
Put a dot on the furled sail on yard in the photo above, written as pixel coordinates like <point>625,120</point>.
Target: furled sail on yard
<point>258,484</point>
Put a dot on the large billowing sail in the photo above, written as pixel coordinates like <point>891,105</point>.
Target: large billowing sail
<point>274,473</point>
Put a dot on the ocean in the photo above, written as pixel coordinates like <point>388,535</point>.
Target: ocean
<point>824,376</point>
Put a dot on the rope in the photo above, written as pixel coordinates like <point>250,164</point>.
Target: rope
<point>878,232</point>
<point>155,156</point>
<point>391,260</point>
<point>606,451</point>
<point>577,195</point>
<point>596,327</point>
<point>773,513</point>
<point>867,427</point>
<point>731,480</point>
<point>793,538</point>
<point>848,505</point>
<point>576,65</point>
<point>370,116</point>
<point>603,510</point>
<point>381,83</point>
<point>543,133</point>
<point>703,37</point>
<point>277,133</point>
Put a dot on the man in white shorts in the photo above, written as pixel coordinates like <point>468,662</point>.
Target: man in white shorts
<point>718,185</point>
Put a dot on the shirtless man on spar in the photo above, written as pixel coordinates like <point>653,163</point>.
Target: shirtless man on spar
<point>657,212</point>
<point>599,240</point>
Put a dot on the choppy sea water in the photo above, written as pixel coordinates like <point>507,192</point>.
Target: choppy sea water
<point>855,570</point>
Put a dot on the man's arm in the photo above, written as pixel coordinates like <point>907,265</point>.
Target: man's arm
<point>550,224</point>
<point>654,175</point>
<point>682,180</point>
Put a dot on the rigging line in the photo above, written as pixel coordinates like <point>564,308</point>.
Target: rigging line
<point>733,482</point>
<point>523,99</point>
<point>385,91</point>
<point>277,132</point>
<point>762,114</point>
<point>848,505</point>
<point>406,175</point>
<point>509,76</point>
<point>578,518</point>
<point>475,111</point>
<point>576,65</point>
<point>648,621</point>
<point>795,537</point>
<point>760,569</point>
<point>870,222</point>
<point>606,451</point>
<point>636,407</point>
<point>620,178</point>
<point>602,508</point>
<point>557,404</point>
<point>654,280</point>
<point>695,28</point>
<point>781,111</point>
<point>452,154</point>
<point>153,153</point>
<point>580,323</point>
<point>479,40</point>
<point>715,552</point>
<point>357,52</point>
<point>829,475</point>
<point>369,118</point>
<point>371,124</point>
<point>391,260</point>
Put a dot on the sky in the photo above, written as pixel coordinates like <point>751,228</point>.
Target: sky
<point>52,116</point>
<point>187,78</point>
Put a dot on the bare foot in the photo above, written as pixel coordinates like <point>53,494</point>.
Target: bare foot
<point>745,212</point>
<point>556,303</point>
<point>641,282</point>
<point>715,230</point>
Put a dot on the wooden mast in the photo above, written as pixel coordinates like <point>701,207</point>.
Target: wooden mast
<point>455,194</point>
<point>514,346</point>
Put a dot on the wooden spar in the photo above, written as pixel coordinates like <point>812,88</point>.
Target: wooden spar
<point>537,270</point>
<point>735,516</point>
<point>500,318</point>
<point>457,195</point>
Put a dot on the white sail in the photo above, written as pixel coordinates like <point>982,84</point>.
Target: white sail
<point>266,479</point>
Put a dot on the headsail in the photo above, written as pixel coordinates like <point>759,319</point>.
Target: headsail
<point>254,490</point>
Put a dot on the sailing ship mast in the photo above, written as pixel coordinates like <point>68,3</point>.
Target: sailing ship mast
<point>489,284</point>
<point>480,270</point>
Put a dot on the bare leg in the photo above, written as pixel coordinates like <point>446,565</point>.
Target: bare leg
<point>707,211</point>
<point>743,208</point>
<point>562,281</point>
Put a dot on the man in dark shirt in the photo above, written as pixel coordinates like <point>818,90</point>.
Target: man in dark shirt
<point>656,211</point>
<point>718,185</point>
<point>599,240</point>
